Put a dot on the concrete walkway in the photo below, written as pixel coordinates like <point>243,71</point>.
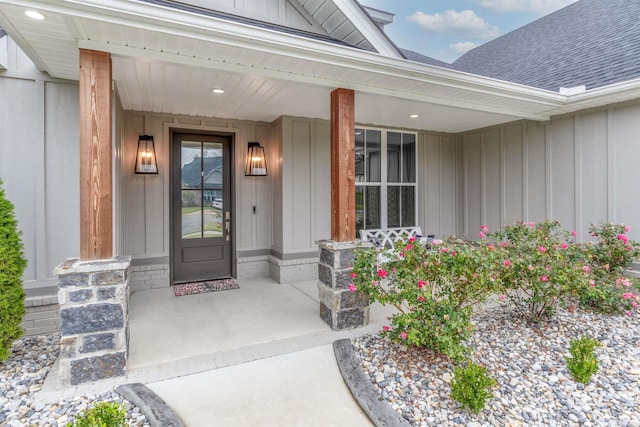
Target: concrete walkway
<point>303,388</point>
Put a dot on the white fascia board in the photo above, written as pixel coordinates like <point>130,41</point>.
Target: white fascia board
<point>171,21</point>
<point>604,95</point>
<point>367,27</point>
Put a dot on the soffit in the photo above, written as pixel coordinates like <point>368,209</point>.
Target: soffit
<point>169,64</point>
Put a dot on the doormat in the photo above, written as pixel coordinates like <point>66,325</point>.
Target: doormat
<point>193,288</point>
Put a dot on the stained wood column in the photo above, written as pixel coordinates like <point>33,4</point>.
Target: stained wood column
<point>343,195</point>
<point>96,234</point>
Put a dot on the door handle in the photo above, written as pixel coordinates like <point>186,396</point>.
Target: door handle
<point>227,226</point>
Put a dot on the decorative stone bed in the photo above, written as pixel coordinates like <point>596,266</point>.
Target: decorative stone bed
<point>534,386</point>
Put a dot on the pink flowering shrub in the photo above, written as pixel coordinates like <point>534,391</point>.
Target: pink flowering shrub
<point>432,288</point>
<point>542,265</point>
<point>608,256</point>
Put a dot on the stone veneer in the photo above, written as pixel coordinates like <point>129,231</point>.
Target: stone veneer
<point>339,307</point>
<point>94,299</point>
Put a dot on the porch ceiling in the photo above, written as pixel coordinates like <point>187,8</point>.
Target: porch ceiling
<point>168,61</point>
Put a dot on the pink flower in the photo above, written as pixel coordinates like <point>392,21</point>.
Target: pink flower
<point>544,278</point>
<point>412,239</point>
<point>481,235</point>
<point>502,297</point>
<point>421,299</point>
<point>563,246</point>
<point>542,249</point>
<point>586,269</point>
<point>629,313</point>
<point>352,275</point>
<point>530,267</point>
<point>382,273</point>
<point>351,287</point>
<point>421,284</point>
<point>592,283</point>
<point>403,335</point>
<point>634,304</point>
<point>506,263</point>
<point>409,247</point>
<point>484,229</point>
<point>573,233</point>
<point>627,295</point>
<point>490,246</point>
<point>627,228</point>
<point>532,224</point>
<point>555,246</point>
<point>453,252</point>
<point>374,283</point>
<point>386,328</point>
<point>445,250</point>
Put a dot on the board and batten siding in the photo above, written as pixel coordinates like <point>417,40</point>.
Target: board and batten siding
<point>39,162</point>
<point>579,169</point>
<point>143,209</point>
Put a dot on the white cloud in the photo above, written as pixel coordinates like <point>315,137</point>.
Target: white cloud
<point>462,47</point>
<point>463,24</point>
<point>536,6</point>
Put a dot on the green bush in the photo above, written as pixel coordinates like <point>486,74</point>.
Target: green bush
<point>471,386</point>
<point>541,267</point>
<point>103,414</point>
<point>611,252</point>
<point>432,288</point>
<point>582,363</point>
<point>12,265</point>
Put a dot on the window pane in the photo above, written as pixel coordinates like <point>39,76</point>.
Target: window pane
<point>372,152</point>
<point>359,156</point>
<point>393,207</point>
<point>212,220</point>
<point>191,214</point>
<point>191,164</point>
<point>394,147</point>
<point>212,165</point>
<point>408,206</point>
<point>408,157</point>
<point>372,204</point>
<point>367,207</point>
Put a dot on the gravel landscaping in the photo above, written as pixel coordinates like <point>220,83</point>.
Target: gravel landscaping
<point>534,387</point>
<point>22,376</point>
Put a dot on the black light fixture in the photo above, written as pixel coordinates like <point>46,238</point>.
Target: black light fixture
<point>256,164</point>
<point>146,156</point>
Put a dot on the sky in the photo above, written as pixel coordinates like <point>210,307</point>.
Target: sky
<point>445,29</point>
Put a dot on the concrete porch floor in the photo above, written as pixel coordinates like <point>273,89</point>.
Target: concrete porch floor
<point>176,336</point>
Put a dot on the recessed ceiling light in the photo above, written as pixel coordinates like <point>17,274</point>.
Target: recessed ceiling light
<point>33,14</point>
<point>217,90</point>
<point>414,116</point>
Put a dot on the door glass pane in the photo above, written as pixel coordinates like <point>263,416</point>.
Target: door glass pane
<point>393,207</point>
<point>372,206</point>
<point>408,206</point>
<point>394,146</point>
<point>212,165</point>
<point>359,209</point>
<point>408,158</point>
<point>212,213</point>
<point>373,160</point>
<point>191,164</point>
<point>191,214</point>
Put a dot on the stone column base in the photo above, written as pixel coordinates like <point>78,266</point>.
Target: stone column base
<point>339,307</point>
<point>94,298</point>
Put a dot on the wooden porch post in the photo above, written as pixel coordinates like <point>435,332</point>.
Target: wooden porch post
<point>343,196</point>
<point>96,234</point>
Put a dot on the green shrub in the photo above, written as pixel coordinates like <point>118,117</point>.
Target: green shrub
<point>542,266</point>
<point>433,290</point>
<point>611,252</point>
<point>471,386</point>
<point>12,265</point>
<point>582,363</point>
<point>103,414</point>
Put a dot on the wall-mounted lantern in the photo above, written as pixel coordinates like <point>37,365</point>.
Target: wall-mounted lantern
<point>146,156</point>
<point>256,164</point>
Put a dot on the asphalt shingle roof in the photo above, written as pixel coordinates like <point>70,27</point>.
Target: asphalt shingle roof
<point>590,42</point>
<point>418,57</point>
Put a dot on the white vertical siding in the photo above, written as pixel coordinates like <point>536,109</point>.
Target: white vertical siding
<point>578,169</point>
<point>39,162</point>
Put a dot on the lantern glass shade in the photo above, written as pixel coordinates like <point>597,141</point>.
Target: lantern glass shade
<point>256,164</point>
<point>146,156</point>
